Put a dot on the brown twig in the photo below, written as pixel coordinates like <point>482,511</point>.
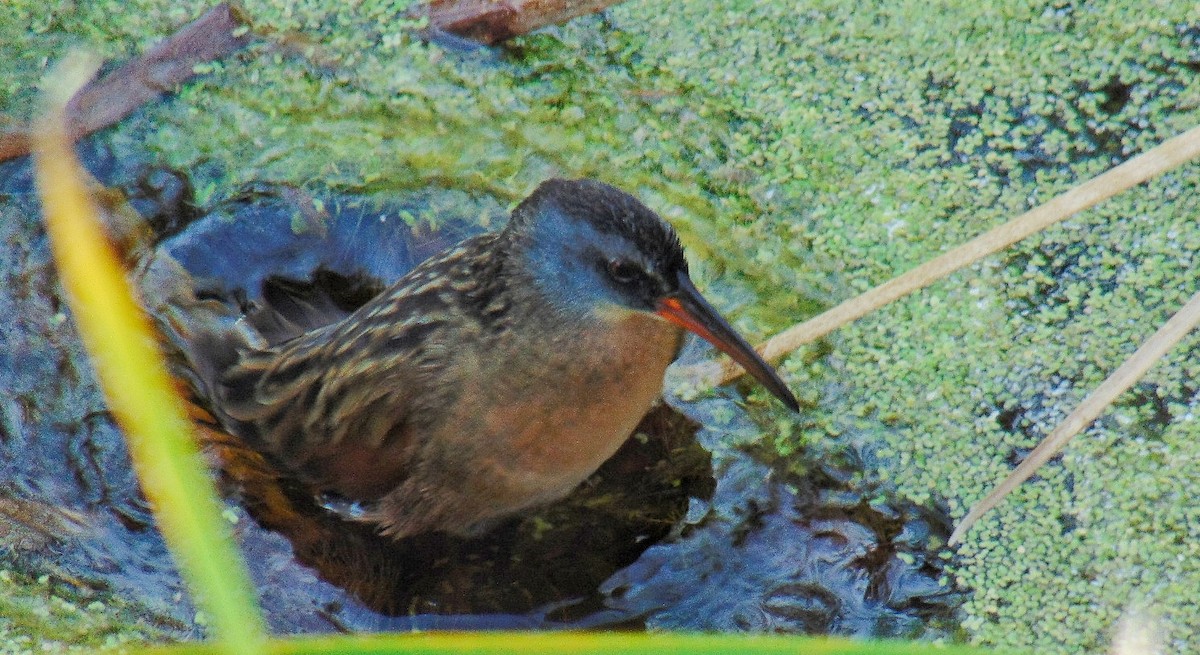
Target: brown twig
<point>1164,157</point>
<point>489,21</point>
<point>1184,321</point>
<point>224,29</point>
<point>220,31</point>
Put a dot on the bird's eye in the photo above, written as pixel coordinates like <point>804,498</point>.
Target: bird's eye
<point>623,271</point>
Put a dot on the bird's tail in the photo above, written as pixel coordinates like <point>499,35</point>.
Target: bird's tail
<point>199,338</point>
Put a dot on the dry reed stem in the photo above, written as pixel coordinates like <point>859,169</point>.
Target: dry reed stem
<point>1124,377</point>
<point>1166,156</point>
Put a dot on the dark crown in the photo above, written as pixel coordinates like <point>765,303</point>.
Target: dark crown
<point>610,211</point>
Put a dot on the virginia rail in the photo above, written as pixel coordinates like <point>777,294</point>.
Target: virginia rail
<point>493,377</point>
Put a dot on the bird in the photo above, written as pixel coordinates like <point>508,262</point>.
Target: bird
<point>492,378</point>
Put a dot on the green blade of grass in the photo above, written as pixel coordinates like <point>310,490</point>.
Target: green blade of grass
<point>135,381</point>
<point>581,643</point>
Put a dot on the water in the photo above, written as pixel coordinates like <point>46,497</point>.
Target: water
<point>692,525</point>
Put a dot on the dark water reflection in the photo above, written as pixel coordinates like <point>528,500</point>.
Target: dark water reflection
<point>688,527</point>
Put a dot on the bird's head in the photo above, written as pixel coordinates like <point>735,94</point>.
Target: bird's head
<point>593,248</point>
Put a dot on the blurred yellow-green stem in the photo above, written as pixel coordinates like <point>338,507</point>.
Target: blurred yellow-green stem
<point>135,381</point>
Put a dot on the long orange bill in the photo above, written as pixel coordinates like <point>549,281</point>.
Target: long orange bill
<point>690,311</point>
